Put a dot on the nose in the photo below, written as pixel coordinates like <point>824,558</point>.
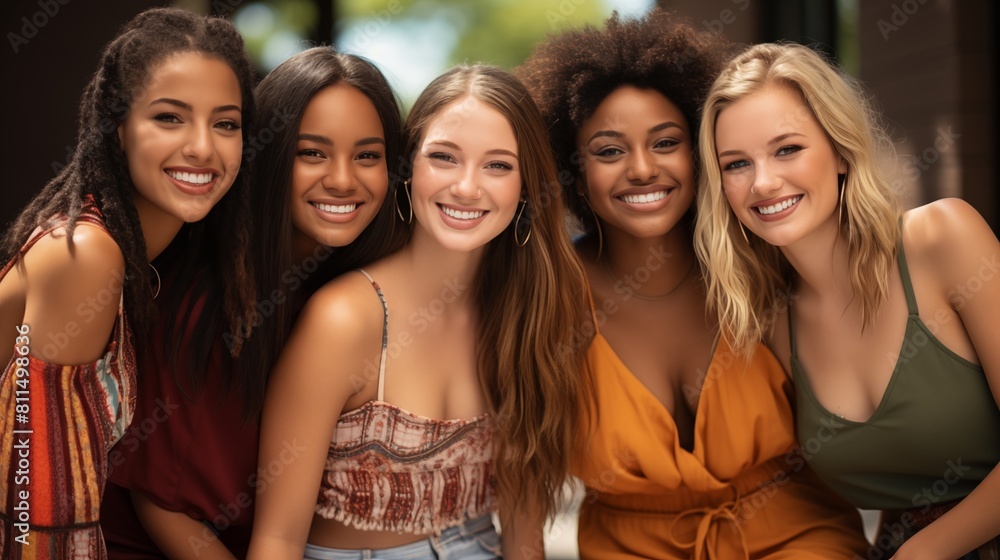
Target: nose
<point>765,180</point>
<point>641,167</point>
<point>338,176</point>
<point>199,144</point>
<point>467,185</point>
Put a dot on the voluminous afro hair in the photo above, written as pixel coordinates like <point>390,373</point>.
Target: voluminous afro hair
<point>571,73</point>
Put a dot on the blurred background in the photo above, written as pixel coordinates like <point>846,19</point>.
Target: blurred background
<point>928,64</point>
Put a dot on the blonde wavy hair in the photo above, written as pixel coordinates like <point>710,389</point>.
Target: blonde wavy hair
<point>748,277</point>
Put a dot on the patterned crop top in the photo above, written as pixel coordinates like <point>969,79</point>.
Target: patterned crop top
<point>391,470</point>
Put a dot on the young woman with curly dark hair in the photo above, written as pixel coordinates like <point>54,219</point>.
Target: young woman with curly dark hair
<point>162,128</point>
<point>692,453</point>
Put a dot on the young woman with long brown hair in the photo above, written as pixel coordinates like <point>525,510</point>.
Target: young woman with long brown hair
<point>431,388</point>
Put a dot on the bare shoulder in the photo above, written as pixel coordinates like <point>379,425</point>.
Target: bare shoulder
<point>951,240</point>
<point>348,304</point>
<point>936,230</point>
<point>93,256</point>
<point>72,294</point>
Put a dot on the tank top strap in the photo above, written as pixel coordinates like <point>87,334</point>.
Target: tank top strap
<point>904,275</point>
<point>791,329</point>
<point>385,333</point>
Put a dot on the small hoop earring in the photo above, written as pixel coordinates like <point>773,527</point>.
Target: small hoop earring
<point>409,201</point>
<point>157,273</point>
<point>518,225</point>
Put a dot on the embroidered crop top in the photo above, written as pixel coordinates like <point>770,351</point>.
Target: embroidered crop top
<point>391,470</point>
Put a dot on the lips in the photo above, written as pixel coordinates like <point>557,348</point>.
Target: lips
<point>776,208</point>
<point>193,181</point>
<point>336,211</point>
<point>646,199</point>
<point>459,217</point>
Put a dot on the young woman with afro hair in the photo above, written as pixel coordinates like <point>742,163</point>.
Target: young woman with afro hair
<point>692,450</point>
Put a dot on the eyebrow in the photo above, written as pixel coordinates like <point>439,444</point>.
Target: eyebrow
<point>454,146</point>
<point>188,107</point>
<point>616,134</point>
<point>773,141</point>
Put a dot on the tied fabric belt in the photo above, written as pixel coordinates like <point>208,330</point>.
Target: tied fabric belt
<point>719,514</point>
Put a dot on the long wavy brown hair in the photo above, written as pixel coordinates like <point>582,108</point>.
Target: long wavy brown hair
<point>532,301</point>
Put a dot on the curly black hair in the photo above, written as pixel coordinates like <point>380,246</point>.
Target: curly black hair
<point>570,74</point>
<point>98,166</point>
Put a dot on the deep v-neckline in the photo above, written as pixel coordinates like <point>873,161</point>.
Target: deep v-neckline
<point>631,377</point>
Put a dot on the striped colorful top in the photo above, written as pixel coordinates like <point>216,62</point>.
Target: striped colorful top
<point>392,470</point>
<point>54,445</point>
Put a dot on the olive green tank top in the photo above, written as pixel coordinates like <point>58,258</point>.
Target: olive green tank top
<point>934,436</point>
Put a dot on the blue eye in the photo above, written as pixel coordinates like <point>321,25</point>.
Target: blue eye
<point>734,165</point>
<point>786,150</point>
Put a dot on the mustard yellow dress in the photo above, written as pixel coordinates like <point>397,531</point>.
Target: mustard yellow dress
<point>743,491</point>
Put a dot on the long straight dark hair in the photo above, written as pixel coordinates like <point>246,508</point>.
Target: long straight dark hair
<point>282,98</point>
<point>98,167</point>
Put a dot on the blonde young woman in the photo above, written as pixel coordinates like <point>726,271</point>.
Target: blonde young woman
<point>892,334</point>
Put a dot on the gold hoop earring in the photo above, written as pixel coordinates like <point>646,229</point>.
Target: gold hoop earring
<point>600,234</point>
<point>399,211</point>
<point>843,194</point>
<point>518,225</point>
<point>744,232</point>
<point>157,273</point>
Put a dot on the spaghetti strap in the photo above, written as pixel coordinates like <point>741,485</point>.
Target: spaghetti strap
<point>904,275</point>
<point>385,334</point>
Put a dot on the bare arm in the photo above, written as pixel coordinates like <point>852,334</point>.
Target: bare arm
<point>176,535</point>
<point>305,396</point>
<point>71,298</point>
<point>522,537</point>
<point>967,242</point>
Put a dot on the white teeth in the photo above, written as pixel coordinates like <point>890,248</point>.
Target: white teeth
<point>193,178</point>
<point>463,215</point>
<point>785,204</point>
<point>644,198</point>
<point>342,209</point>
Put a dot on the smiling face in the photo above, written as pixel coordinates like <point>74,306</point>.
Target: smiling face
<point>182,138</point>
<point>779,167</point>
<point>466,175</point>
<point>639,172</point>
<point>339,177</point>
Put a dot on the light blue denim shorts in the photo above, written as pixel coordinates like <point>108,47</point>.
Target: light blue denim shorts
<point>476,539</point>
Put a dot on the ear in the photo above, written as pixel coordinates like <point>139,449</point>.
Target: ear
<point>121,137</point>
<point>842,166</point>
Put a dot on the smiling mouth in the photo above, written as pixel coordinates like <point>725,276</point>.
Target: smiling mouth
<point>775,208</point>
<point>462,215</point>
<point>335,209</point>
<point>644,198</point>
<point>196,179</point>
